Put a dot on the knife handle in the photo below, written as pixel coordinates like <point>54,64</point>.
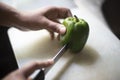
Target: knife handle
<point>40,75</point>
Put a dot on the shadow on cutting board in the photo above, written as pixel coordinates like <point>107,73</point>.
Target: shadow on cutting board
<point>87,57</point>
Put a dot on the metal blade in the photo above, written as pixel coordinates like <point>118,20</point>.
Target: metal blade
<point>57,57</point>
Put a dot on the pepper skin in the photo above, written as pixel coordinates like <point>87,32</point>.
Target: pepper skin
<point>76,34</point>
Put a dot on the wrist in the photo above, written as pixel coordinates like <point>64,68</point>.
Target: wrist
<point>8,15</point>
<point>20,21</point>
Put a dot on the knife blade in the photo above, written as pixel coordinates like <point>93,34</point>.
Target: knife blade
<point>57,57</point>
<point>44,71</point>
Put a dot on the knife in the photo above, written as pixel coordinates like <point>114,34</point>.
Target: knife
<point>41,74</point>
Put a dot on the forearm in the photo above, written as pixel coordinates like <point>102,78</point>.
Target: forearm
<point>9,16</point>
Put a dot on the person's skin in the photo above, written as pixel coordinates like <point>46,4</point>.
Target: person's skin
<point>25,72</point>
<point>44,18</point>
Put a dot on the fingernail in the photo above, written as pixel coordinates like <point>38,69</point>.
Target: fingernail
<point>62,30</point>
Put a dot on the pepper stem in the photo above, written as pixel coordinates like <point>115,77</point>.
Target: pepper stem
<point>76,18</point>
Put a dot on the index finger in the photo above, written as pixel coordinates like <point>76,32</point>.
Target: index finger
<point>64,12</point>
<point>57,12</point>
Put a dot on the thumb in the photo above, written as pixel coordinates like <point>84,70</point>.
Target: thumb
<point>55,27</point>
<point>29,68</point>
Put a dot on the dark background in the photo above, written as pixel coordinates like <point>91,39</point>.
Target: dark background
<point>111,12</point>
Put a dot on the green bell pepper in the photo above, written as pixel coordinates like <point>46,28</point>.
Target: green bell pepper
<point>76,34</point>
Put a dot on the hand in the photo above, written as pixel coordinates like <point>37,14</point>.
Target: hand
<point>25,72</point>
<point>45,18</point>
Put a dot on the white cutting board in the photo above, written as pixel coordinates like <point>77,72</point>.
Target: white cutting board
<point>99,60</point>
